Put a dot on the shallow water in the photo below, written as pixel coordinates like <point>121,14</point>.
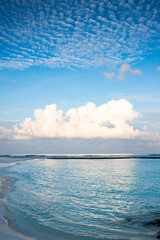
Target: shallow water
<point>85,198</point>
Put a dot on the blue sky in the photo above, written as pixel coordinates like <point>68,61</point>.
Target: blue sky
<point>70,53</point>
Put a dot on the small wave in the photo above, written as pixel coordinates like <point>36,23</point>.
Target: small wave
<point>86,156</point>
<point>5,221</point>
<point>2,156</point>
<point>149,156</point>
<point>8,164</point>
<point>6,185</point>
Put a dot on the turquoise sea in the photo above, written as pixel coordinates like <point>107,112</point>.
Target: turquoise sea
<point>85,197</point>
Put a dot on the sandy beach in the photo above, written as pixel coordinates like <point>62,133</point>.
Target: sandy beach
<point>6,183</point>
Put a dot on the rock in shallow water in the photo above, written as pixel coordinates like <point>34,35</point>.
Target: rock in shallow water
<point>158,235</point>
<point>131,220</point>
<point>155,222</point>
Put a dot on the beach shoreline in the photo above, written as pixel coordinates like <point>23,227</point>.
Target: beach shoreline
<point>12,227</point>
<point>6,184</point>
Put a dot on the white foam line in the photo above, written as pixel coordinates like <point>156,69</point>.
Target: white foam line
<point>8,164</point>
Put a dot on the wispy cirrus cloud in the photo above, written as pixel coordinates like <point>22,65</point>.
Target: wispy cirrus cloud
<point>76,33</point>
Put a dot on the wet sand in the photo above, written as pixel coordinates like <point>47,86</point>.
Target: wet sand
<point>6,183</point>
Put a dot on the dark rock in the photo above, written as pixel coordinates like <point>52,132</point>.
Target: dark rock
<point>155,222</point>
<point>158,235</point>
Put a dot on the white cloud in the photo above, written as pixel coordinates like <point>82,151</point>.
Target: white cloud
<point>5,133</point>
<point>61,29</point>
<point>126,69</point>
<point>109,120</point>
<point>108,75</point>
<point>158,68</point>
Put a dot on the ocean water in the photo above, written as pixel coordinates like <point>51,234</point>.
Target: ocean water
<point>72,198</point>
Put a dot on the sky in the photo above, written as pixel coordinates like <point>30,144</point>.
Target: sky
<point>79,76</point>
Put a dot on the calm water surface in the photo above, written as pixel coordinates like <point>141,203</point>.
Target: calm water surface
<point>85,198</point>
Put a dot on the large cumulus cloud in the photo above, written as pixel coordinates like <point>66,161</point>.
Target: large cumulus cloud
<point>109,120</point>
